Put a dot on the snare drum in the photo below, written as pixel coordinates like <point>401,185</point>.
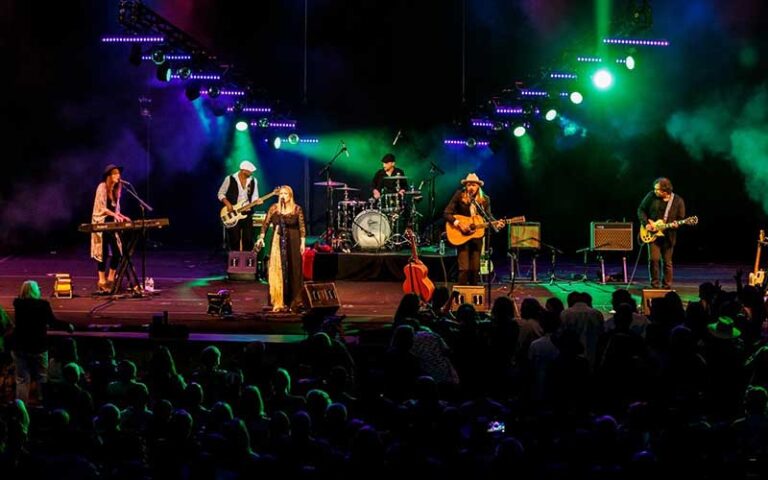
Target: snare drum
<point>391,203</point>
<point>371,230</point>
<point>346,211</point>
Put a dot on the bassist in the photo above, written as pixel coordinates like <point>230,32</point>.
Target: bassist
<point>236,188</point>
<point>661,204</point>
<point>465,202</point>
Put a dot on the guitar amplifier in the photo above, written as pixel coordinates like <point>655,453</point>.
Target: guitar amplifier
<point>526,235</point>
<point>321,297</point>
<point>611,236</point>
<point>472,294</point>
<point>242,266</point>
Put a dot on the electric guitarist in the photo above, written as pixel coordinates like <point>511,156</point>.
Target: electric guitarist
<point>240,188</point>
<point>469,202</point>
<point>665,205</point>
<point>757,276</point>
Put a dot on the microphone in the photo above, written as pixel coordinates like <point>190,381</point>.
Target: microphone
<point>420,185</point>
<point>397,137</point>
<point>125,182</point>
<point>436,168</point>
<point>344,148</point>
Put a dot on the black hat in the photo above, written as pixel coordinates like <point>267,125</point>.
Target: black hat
<point>108,169</point>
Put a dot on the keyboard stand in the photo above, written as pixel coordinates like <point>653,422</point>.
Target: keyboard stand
<point>125,268</point>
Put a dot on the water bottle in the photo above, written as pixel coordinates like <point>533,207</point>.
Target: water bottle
<point>441,247</point>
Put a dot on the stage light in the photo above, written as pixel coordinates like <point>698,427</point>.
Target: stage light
<point>533,93</point>
<point>519,131</point>
<point>481,123</point>
<point>471,142</point>
<point>639,43</point>
<point>277,143</point>
<point>238,106</point>
<point>132,39</point>
<point>158,56</point>
<point>563,76</point>
<point>550,115</point>
<point>192,92</point>
<point>629,62</point>
<point>164,73</point>
<point>576,97</point>
<point>509,110</point>
<point>213,92</point>
<point>293,139</point>
<point>241,126</point>
<point>184,73</point>
<point>587,59</point>
<point>602,79</point>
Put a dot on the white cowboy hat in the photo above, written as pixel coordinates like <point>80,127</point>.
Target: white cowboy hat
<point>472,178</point>
<point>246,165</point>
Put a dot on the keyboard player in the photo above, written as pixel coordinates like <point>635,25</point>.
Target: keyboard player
<point>107,244</point>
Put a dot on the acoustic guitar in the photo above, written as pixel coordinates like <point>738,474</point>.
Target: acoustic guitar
<point>416,273</point>
<point>757,277</point>
<point>475,226</point>
<point>230,219</point>
<point>647,236</point>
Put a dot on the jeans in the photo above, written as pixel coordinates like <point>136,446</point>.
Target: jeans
<point>29,367</point>
<point>660,252</point>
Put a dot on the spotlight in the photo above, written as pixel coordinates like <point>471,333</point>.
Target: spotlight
<point>192,92</point>
<point>629,62</point>
<point>550,115</point>
<point>185,73</point>
<point>277,143</point>
<point>158,56</point>
<point>164,73</point>
<point>241,126</point>
<point>602,79</point>
<point>471,142</point>
<point>577,97</point>
<point>263,122</point>
<point>519,131</point>
<point>293,139</point>
<point>134,58</point>
<point>214,92</point>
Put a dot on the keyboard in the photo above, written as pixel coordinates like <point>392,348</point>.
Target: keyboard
<point>121,226</point>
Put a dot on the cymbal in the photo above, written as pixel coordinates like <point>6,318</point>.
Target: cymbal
<point>347,189</point>
<point>395,177</point>
<point>412,192</point>
<point>329,183</point>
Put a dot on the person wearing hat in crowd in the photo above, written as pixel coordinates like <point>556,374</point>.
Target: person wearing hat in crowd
<point>661,204</point>
<point>236,188</point>
<point>106,208</point>
<point>388,169</point>
<point>465,201</point>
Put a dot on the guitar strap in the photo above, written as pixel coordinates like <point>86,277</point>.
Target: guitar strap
<point>669,206</point>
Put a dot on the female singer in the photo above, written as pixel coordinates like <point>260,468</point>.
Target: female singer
<point>285,274</point>
<point>106,208</point>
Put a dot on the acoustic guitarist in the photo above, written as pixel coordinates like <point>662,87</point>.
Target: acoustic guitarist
<point>236,188</point>
<point>661,206</point>
<point>468,201</point>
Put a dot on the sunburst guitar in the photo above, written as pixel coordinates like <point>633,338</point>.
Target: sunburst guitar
<point>648,236</point>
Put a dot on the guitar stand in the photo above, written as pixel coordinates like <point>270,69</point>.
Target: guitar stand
<point>514,265</point>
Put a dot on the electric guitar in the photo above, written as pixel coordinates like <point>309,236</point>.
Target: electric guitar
<point>416,273</point>
<point>475,226</point>
<point>647,236</point>
<point>757,277</point>
<point>230,219</point>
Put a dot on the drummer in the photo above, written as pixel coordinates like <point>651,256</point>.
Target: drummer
<point>381,180</point>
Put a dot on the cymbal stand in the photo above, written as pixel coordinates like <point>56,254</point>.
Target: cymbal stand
<point>325,172</point>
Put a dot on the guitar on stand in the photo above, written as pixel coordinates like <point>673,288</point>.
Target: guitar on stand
<point>416,273</point>
<point>473,227</point>
<point>757,276</point>
<point>230,218</point>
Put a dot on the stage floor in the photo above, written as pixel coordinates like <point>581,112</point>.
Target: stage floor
<point>183,279</point>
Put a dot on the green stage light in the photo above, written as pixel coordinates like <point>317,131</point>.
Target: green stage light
<point>550,115</point>
<point>241,126</point>
<point>629,62</point>
<point>577,97</point>
<point>293,139</point>
<point>519,131</point>
<point>602,79</point>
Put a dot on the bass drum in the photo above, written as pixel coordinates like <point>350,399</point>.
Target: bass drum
<point>371,230</point>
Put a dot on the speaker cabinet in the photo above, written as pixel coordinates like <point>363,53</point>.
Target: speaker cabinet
<point>649,295</point>
<point>525,235</point>
<point>242,266</point>
<point>321,297</point>
<point>611,236</point>
<point>472,294</point>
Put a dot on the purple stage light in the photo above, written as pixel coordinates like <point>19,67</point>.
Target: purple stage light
<point>509,110</point>
<point>586,59</point>
<point>252,109</point>
<point>230,93</point>
<point>195,76</point>
<point>634,42</point>
<point>481,123</point>
<point>132,39</point>
<point>533,93</point>
<point>564,76</point>
<point>470,142</point>
<point>169,57</point>
<point>286,124</point>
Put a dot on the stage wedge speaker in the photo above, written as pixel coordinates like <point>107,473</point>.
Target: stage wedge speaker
<point>242,266</point>
<point>648,295</point>
<point>611,236</point>
<point>472,294</point>
<point>321,297</point>
<point>525,235</point>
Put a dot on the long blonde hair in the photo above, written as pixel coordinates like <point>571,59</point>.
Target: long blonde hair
<point>29,289</point>
<point>290,205</point>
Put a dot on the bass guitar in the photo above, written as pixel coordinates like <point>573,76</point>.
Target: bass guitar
<point>648,236</point>
<point>416,273</point>
<point>474,227</point>
<point>757,277</point>
<point>230,218</point>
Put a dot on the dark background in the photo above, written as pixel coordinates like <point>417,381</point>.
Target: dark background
<point>69,107</point>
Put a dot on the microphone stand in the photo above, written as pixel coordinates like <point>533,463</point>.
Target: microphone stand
<point>326,171</point>
<point>144,206</point>
<point>487,218</point>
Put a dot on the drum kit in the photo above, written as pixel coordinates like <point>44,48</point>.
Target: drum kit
<point>373,224</point>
